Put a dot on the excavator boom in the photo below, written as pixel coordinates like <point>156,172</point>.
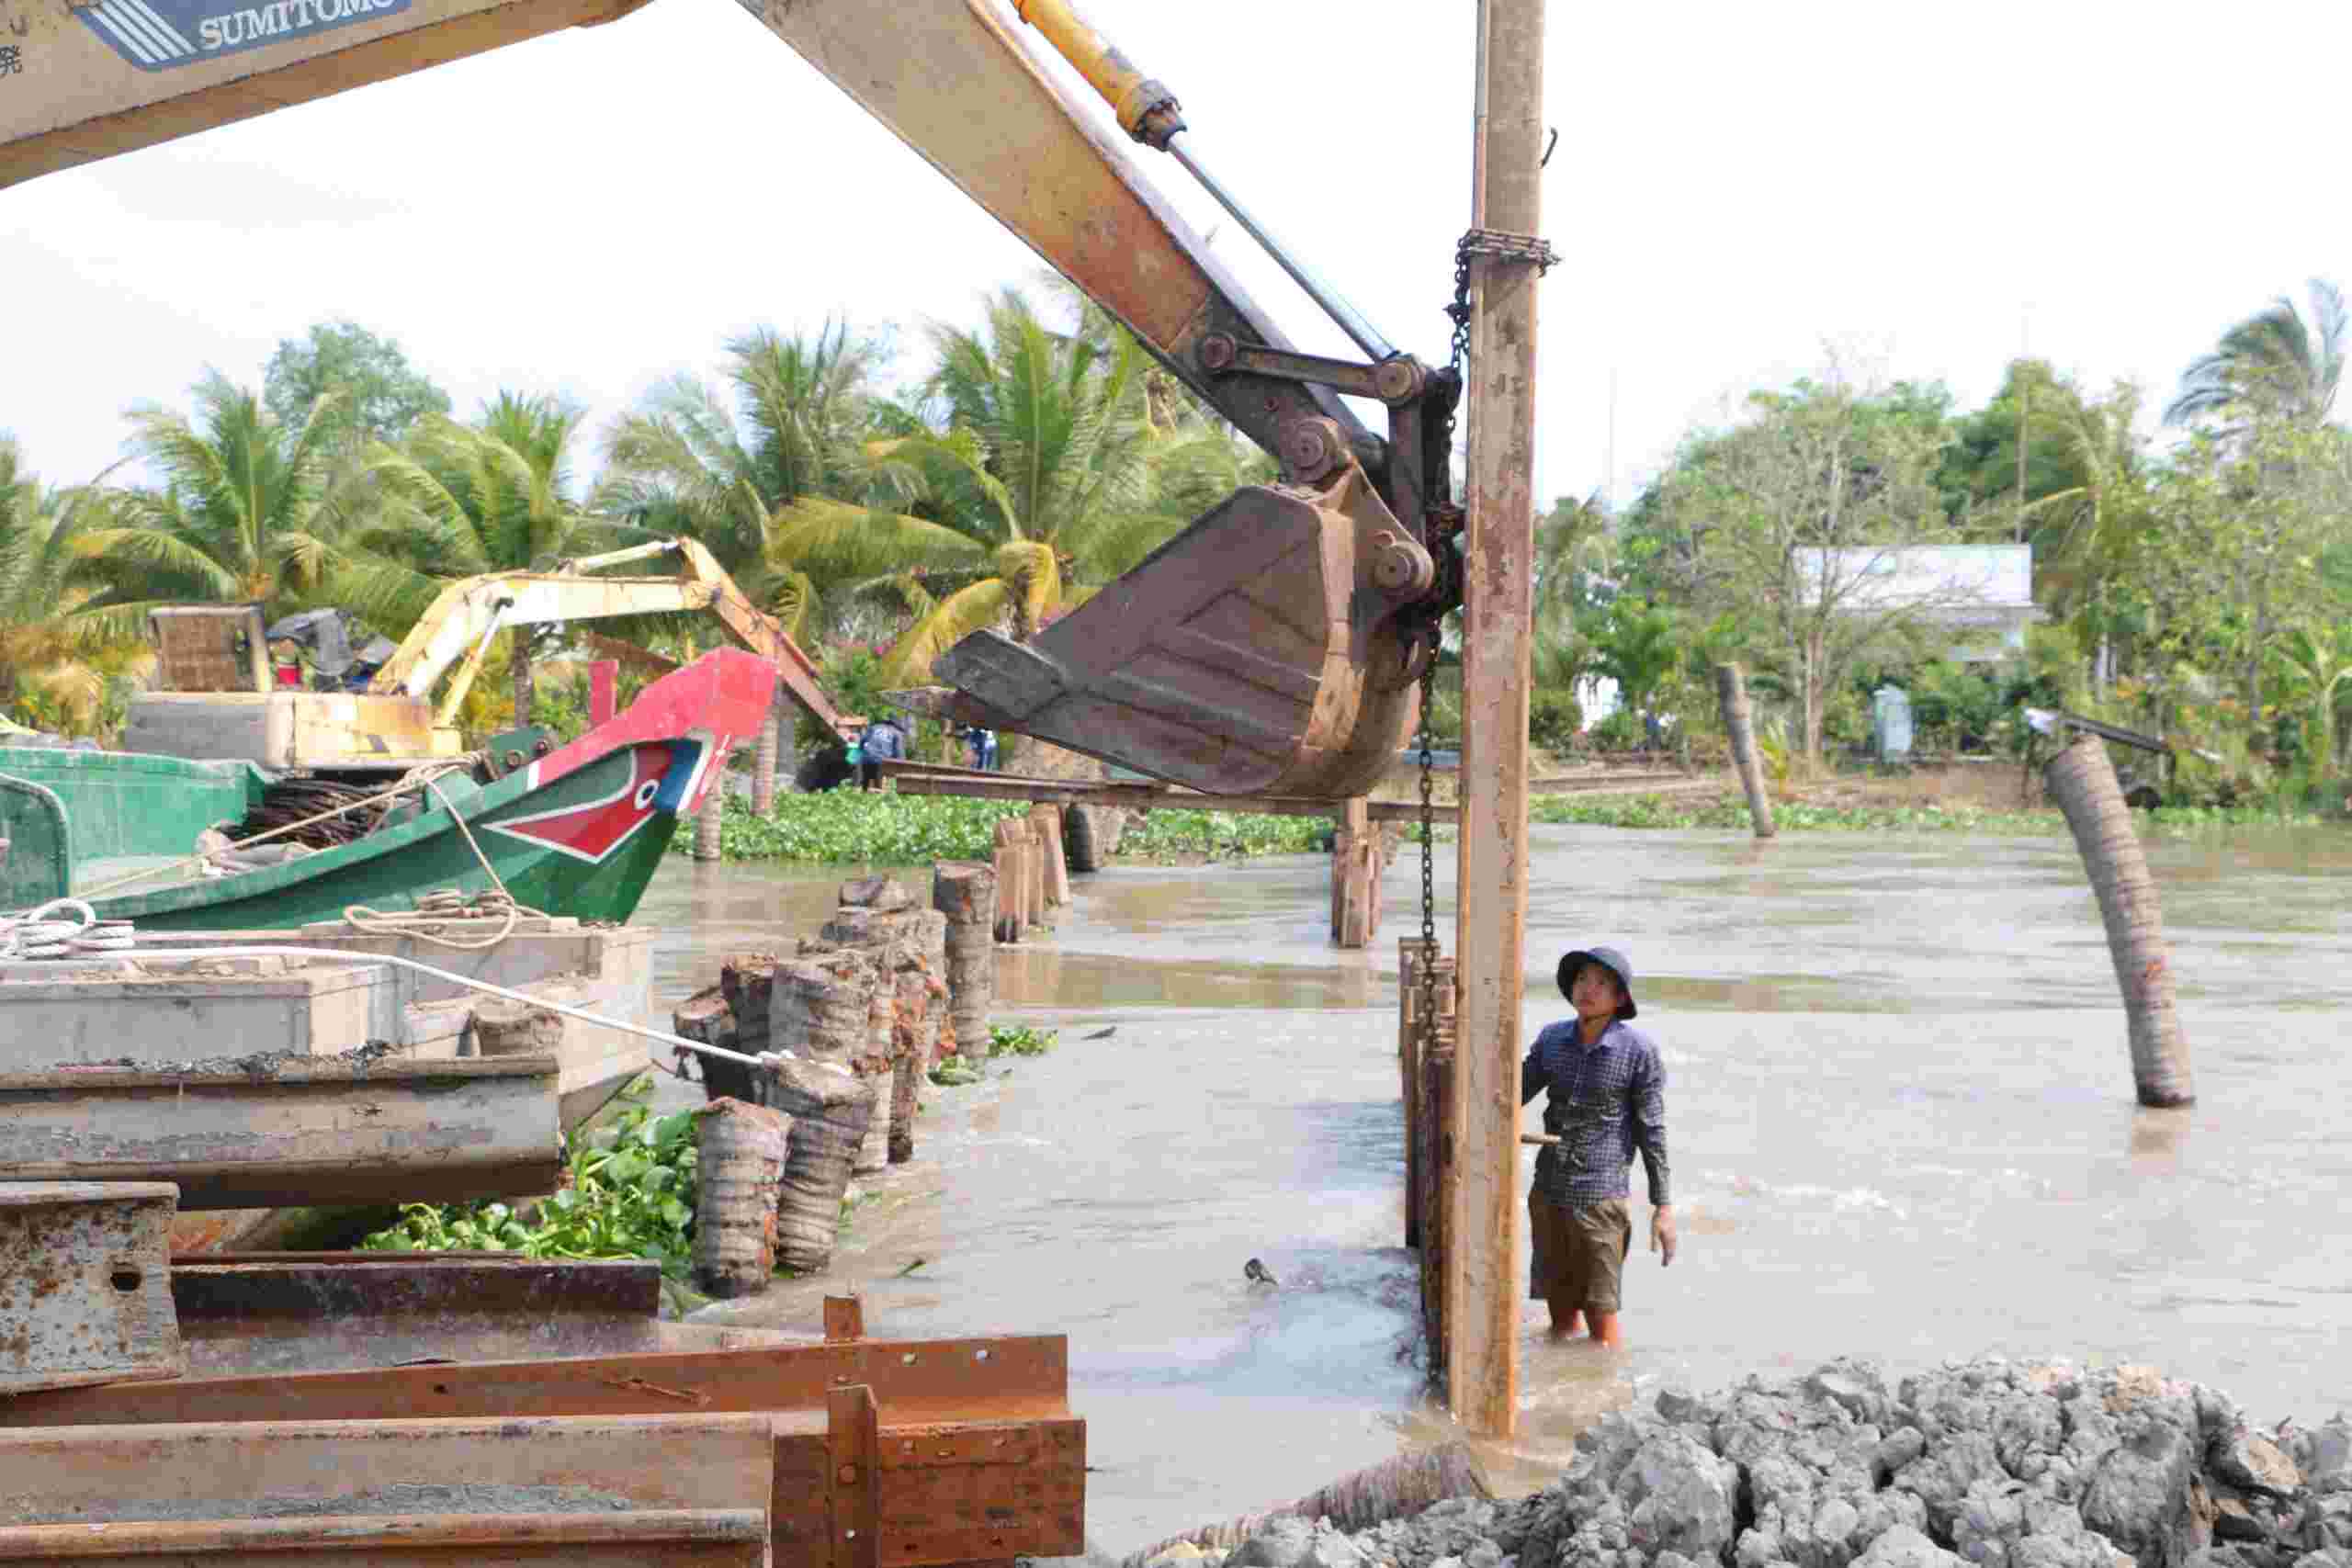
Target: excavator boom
<point>1186,672</point>
<point>457,628</point>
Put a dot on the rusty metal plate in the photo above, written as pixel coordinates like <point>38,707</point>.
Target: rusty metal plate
<point>1020,1377</point>
<point>674,1538</point>
<point>587,1465</point>
<point>292,1131</point>
<point>85,1294</point>
<point>961,1512</point>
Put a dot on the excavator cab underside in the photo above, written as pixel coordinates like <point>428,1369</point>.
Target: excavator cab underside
<point>1262,652</point>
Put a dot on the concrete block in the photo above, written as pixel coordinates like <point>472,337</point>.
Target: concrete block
<point>85,1284</point>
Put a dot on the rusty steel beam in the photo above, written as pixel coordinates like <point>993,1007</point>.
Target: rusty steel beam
<point>1009,1377</point>
<point>244,1314</point>
<point>1482,1296</point>
<point>292,1130</point>
<point>85,1284</point>
<point>673,1538</point>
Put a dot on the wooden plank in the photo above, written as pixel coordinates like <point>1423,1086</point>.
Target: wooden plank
<point>85,1294</point>
<point>216,1471</point>
<point>1483,1294</point>
<point>293,1131</point>
<point>676,1538</point>
<point>1004,1377</point>
<point>1045,818</point>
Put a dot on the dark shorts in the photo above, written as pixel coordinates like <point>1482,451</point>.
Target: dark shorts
<point>1579,1258</point>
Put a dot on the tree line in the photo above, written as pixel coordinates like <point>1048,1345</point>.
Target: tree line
<point>1025,466</point>
<point>2192,572</point>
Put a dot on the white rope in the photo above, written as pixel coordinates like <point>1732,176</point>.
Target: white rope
<point>39,934</point>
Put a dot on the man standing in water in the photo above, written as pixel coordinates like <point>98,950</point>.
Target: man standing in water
<point>1608,1099</point>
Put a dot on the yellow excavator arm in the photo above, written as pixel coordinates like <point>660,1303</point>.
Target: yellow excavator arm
<point>458,626</point>
<point>1189,672</point>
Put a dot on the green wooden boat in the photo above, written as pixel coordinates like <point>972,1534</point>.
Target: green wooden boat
<point>576,833</point>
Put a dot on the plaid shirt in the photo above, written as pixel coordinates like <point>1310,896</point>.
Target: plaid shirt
<point>1607,1100</point>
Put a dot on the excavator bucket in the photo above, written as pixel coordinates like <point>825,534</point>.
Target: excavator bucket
<point>1258,652</point>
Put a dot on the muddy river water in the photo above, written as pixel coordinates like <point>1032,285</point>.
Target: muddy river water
<point>1899,1104</point>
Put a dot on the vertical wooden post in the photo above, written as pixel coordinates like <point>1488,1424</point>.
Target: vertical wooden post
<point>1011,882</point>
<point>1482,1307</point>
<point>1045,822</point>
<point>1731,690</point>
<point>1355,875</point>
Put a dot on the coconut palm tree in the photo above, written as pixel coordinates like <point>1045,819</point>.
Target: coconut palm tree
<point>2276,358</point>
<point>459,500</point>
<point>240,515</point>
<point>1049,458</point>
<point>721,465</point>
<point>2083,532</point>
<point>46,649</point>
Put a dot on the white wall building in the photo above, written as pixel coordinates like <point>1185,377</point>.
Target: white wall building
<point>1983,592</point>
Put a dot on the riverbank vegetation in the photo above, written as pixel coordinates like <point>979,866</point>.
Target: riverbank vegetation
<point>2190,571</point>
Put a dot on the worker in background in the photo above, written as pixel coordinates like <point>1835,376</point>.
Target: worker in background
<point>1608,1100</point>
<point>883,740</point>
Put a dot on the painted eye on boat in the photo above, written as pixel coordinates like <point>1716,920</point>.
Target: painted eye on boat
<point>646,792</point>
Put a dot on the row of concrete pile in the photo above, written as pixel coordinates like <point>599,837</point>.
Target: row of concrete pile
<point>851,1020</point>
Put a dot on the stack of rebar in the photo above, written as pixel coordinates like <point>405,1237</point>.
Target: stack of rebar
<point>342,819</point>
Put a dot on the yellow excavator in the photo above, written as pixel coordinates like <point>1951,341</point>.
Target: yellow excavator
<point>215,696</point>
<point>1275,647</point>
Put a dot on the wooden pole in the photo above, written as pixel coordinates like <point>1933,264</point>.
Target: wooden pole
<point>1355,875</point>
<point>1481,1313</point>
<point>1045,822</point>
<point>1731,690</point>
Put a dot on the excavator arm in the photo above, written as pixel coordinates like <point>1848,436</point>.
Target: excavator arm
<point>1233,691</point>
<point>458,625</point>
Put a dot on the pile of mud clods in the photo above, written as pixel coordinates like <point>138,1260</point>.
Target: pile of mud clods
<point>1996,1463</point>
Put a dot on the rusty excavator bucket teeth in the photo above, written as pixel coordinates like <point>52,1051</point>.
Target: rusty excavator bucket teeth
<point>1258,652</point>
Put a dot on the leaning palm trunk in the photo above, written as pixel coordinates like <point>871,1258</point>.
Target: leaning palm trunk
<point>1394,1489</point>
<point>741,1156</point>
<point>2082,781</point>
<point>763,760</point>
<point>711,819</point>
<point>1731,689</point>
<point>521,660</point>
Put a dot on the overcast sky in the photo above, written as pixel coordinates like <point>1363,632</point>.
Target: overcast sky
<point>1734,185</point>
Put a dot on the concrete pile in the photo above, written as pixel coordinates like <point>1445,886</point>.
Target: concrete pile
<point>1990,1463</point>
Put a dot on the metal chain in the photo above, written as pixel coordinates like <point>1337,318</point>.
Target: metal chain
<point>1429,875</point>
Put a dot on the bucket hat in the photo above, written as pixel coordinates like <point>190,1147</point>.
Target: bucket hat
<point>1609,958</point>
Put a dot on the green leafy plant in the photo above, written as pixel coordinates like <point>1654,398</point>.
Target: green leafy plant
<point>630,1197</point>
<point>1171,833</point>
<point>1019,1040</point>
<point>955,1072</point>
